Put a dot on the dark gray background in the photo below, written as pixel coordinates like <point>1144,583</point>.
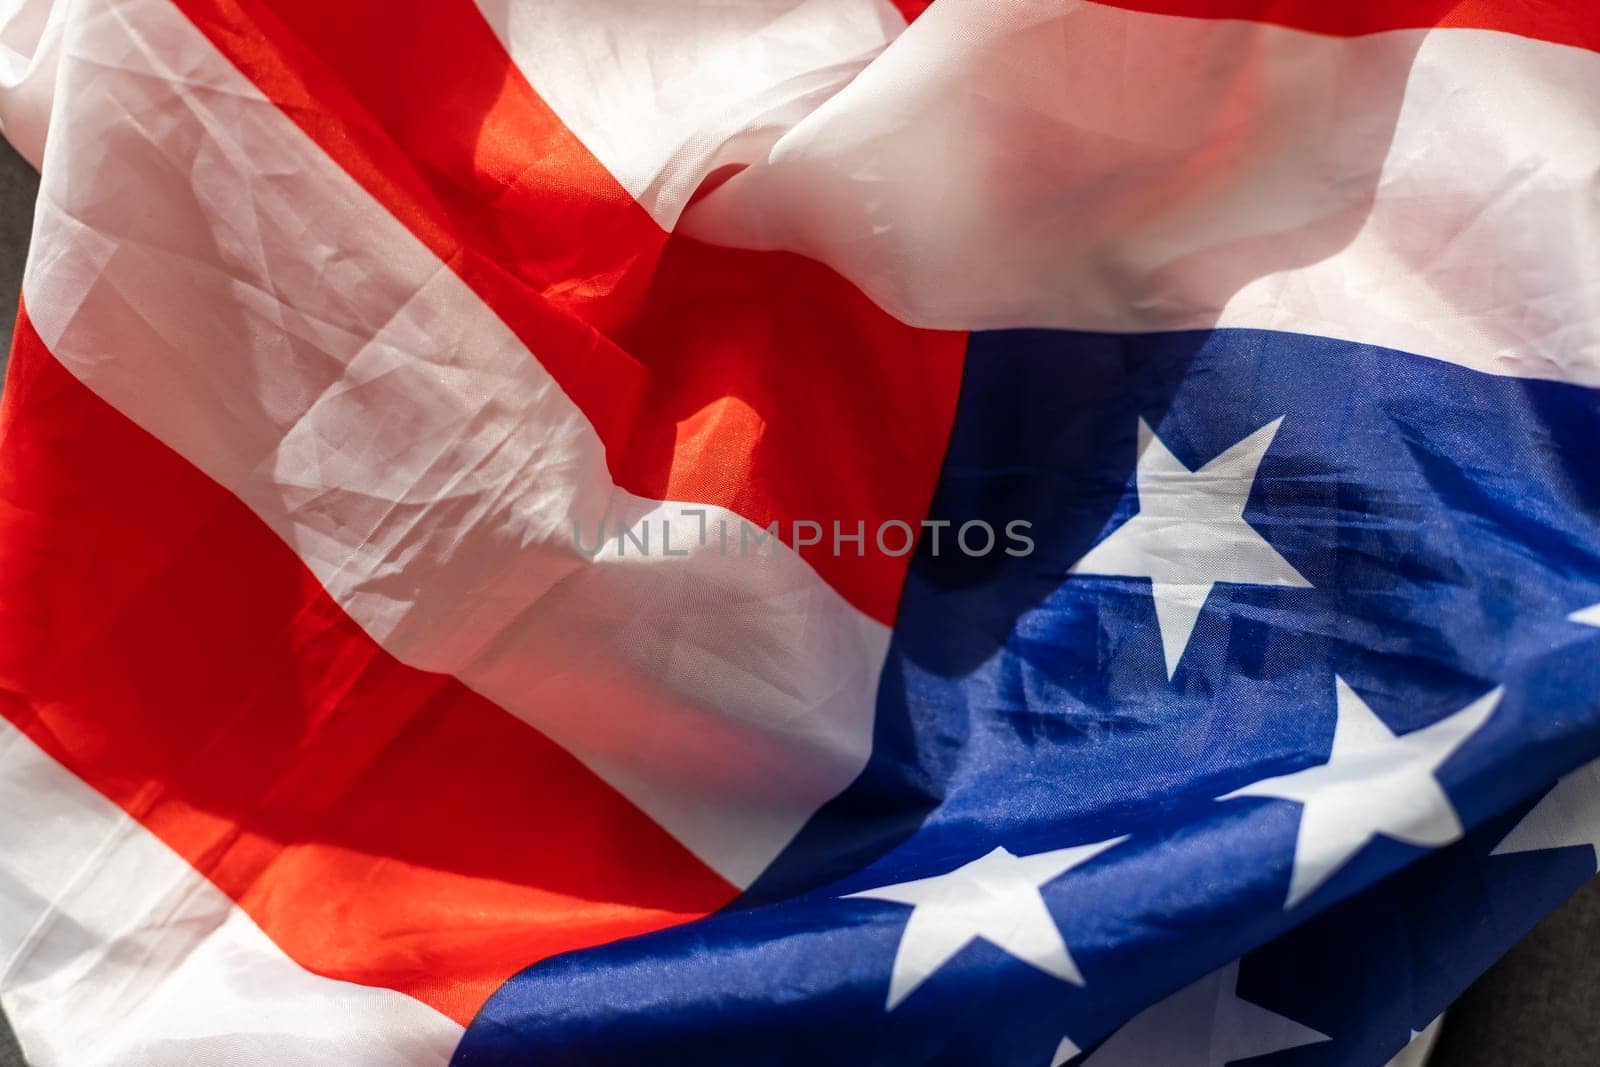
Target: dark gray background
<point>18,186</point>
<point>1538,1007</point>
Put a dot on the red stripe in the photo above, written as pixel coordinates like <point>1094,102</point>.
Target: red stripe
<point>1571,22</point>
<point>760,382</point>
<point>382,824</point>
<point>910,9</point>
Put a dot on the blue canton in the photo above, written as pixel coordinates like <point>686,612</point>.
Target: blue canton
<point>1043,734</point>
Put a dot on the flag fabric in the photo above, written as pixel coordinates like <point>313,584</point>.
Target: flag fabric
<point>793,531</point>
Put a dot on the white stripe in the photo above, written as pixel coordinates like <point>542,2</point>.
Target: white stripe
<point>208,270</point>
<point>1063,164</point>
<point>114,952</point>
<point>30,46</point>
<point>662,94</point>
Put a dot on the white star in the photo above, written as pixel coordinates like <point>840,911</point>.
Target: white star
<point>1589,616</point>
<point>1568,815</point>
<point>995,897</point>
<point>1190,534</point>
<point>1202,1025</point>
<point>1416,1050</point>
<point>1373,783</point>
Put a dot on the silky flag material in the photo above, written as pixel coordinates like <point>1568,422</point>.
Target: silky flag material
<point>793,531</point>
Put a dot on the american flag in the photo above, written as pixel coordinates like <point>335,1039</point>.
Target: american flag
<point>793,531</point>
